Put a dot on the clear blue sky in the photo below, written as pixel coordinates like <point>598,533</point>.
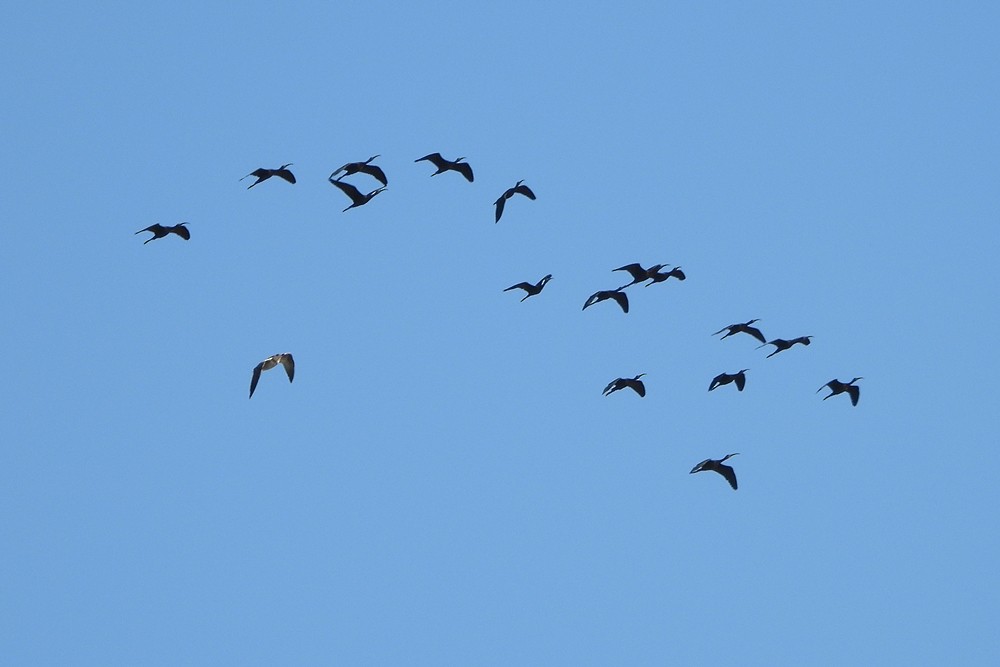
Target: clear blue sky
<point>443,483</point>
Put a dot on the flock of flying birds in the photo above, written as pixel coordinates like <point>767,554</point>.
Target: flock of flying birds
<point>650,276</point>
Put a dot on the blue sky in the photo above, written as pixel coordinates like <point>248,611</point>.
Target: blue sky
<point>444,483</point>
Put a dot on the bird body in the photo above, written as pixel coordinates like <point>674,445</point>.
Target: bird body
<point>263,174</point>
<point>745,327</point>
<point>838,387</point>
<point>159,231</point>
<point>357,199</point>
<point>739,378</point>
<point>518,189</point>
<point>635,384</point>
<point>638,273</point>
<point>531,290</point>
<point>365,168</point>
<point>780,344</point>
<point>620,297</point>
<point>285,359</point>
<point>718,465</point>
<point>444,165</point>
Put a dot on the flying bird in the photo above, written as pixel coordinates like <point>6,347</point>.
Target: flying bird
<point>601,295</point>
<point>357,199</point>
<point>284,359</point>
<point>635,384</point>
<point>638,273</point>
<point>518,189</point>
<point>734,329</point>
<point>365,168</point>
<point>159,231</point>
<point>739,378</point>
<point>531,290</point>
<point>780,344</point>
<point>444,165</point>
<point>838,387</point>
<point>718,466</point>
<point>655,276</point>
<point>263,174</point>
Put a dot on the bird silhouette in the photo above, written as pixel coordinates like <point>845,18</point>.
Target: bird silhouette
<point>780,344</point>
<point>635,384</point>
<point>531,290</point>
<point>357,199</point>
<point>718,466</point>
<point>601,295</point>
<point>159,231</point>
<point>518,189</point>
<point>734,329</point>
<point>638,273</point>
<point>739,378</point>
<point>285,359</point>
<point>655,276</point>
<point>263,174</point>
<point>365,168</point>
<point>444,165</point>
<point>838,387</point>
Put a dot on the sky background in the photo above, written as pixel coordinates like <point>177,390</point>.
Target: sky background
<point>443,483</point>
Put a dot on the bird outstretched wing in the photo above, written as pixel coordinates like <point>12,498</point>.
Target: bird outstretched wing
<point>288,362</point>
<point>256,377</point>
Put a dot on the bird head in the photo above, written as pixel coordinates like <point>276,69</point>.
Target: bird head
<point>286,166</point>
<point>855,380</point>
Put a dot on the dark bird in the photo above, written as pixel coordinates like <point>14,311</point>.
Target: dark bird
<point>781,344</point>
<point>725,378</point>
<point>284,359</point>
<point>634,384</point>
<point>444,165</point>
<point>601,295</point>
<point>159,231</point>
<point>531,290</point>
<point>365,168</point>
<point>357,199</point>
<point>263,174</point>
<point>733,329</point>
<point>518,189</point>
<point>838,387</point>
<point>655,276</point>
<point>638,273</point>
<point>719,467</point>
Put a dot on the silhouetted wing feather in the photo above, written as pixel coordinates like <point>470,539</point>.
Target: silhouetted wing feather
<point>639,387</point>
<point>716,381</point>
<point>755,332</point>
<point>433,157</point>
<point>527,287</point>
<point>374,171</point>
<point>741,381</point>
<point>289,363</point>
<point>621,298</point>
<point>700,466</point>
<point>349,190</point>
<point>499,204</point>
<point>728,473</point>
<point>255,378</point>
<point>182,232</point>
<point>525,190</point>
<point>855,392</point>
<point>612,386</point>
<point>285,174</point>
<point>465,169</point>
<point>635,270</point>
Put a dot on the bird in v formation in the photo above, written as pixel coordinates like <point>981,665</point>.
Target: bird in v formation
<point>262,174</point>
<point>159,231</point>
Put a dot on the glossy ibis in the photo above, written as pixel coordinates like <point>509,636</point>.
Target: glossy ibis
<point>531,290</point>
<point>357,199</point>
<point>739,378</point>
<point>638,273</point>
<point>601,295</point>
<point>159,231</point>
<point>718,466</point>
<point>284,359</point>
<point>780,344</point>
<point>444,165</point>
<point>838,387</point>
<point>658,277</point>
<point>635,384</point>
<point>365,168</point>
<point>734,329</point>
<point>518,189</point>
<point>263,174</point>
